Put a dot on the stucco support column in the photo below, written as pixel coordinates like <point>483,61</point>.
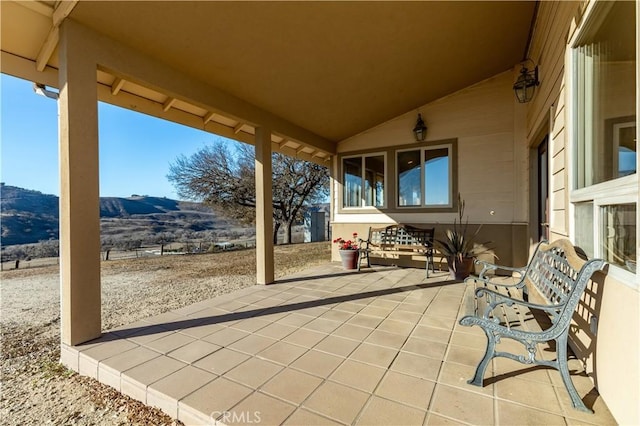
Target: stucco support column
<point>264,207</point>
<point>79,192</point>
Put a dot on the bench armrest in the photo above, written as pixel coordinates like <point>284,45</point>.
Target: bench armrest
<point>495,299</point>
<point>365,243</point>
<point>527,338</point>
<point>488,267</point>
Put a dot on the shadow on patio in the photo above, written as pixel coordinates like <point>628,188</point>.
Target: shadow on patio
<point>327,347</point>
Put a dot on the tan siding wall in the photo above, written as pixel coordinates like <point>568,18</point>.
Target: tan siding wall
<point>558,205</point>
<point>548,49</point>
<point>492,176</point>
<point>502,237</point>
<point>612,355</point>
<point>481,118</point>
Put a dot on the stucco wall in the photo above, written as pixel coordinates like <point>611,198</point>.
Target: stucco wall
<point>617,367</point>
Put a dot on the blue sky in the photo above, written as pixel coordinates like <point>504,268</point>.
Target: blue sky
<point>135,149</point>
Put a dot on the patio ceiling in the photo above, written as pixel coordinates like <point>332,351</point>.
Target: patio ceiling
<point>332,68</point>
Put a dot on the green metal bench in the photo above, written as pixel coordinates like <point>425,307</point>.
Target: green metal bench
<point>560,276</point>
<point>389,245</point>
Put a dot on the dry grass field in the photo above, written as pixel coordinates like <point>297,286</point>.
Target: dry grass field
<point>35,389</point>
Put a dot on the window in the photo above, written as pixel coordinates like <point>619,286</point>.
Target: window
<point>605,183</point>
<point>624,147</point>
<point>425,177</point>
<point>364,180</point>
<point>618,229</point>
<point>409,178</point>
<point>437,185</point>
<point>605,66</point>
<point>584,232</point>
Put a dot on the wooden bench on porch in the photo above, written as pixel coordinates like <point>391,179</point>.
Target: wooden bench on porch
<point>395,244</point>
<point>558,276</point>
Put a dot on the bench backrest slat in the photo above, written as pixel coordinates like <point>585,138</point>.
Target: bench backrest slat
<point>401,237</point>
<point>560,276</point>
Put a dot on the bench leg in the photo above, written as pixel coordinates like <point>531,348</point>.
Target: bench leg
<point>576,401</point>
<point>361,254</point>
<point>488,355</point>
<point>427,266</point>
<point>430,262</point>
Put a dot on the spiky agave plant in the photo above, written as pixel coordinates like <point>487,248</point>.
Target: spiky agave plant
<point>457,244</point>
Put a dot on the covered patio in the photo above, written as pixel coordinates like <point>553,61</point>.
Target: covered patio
<point>341,84</point>
<point>328,73</point>
<point>329,346</point>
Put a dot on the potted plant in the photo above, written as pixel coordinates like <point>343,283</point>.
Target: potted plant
<point>349,251</point>
<point>460,249</point>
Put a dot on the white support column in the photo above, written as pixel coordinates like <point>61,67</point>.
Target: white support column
<point>264,207</point>
<point>79,192</point>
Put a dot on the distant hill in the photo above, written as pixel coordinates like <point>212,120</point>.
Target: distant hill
<point>19,200</point>
<point>30,216</point>
<point>126,207</point>
<point>27,216</point>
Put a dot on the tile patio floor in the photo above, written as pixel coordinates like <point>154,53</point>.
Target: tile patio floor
<point>328,347</point>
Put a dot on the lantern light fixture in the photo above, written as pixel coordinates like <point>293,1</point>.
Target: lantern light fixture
<point>420,130</point>
<point>525,85</point>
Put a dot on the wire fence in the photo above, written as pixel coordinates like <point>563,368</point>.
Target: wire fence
<point>175,248</point>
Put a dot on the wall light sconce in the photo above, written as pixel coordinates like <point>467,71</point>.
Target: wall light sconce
<point>420,130</point>
<point>525,85</point>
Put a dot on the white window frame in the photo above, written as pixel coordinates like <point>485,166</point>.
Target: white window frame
<point>616,141</point>
<point>622,190</point>
<point>618,191</point>
<point>423,204</point>
<point>362,177</point>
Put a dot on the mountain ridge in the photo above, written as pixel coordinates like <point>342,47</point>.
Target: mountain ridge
<point>29,216</point>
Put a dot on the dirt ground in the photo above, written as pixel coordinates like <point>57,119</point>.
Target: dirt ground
<point>36,389</point>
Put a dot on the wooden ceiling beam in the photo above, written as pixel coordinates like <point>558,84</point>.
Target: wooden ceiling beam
<point>147,106</point>
<point>49,45</point>
<point>168,103</point>
<point>303,155</point>
<point>23,68</point>
<point>117,85</point>
<point>208,117</point>
<point>317,154</point>
<point>62,10</point>
<point>237,128</point>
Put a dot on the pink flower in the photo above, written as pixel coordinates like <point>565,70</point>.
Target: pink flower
<point>347,244</point>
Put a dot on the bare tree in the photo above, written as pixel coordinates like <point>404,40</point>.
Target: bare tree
<point>226,181</point>
<point>129,244</point>
<point>47,248</point>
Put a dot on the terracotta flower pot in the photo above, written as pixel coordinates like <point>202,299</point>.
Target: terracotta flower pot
<point>459,269</point>
<point>349,258</point>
